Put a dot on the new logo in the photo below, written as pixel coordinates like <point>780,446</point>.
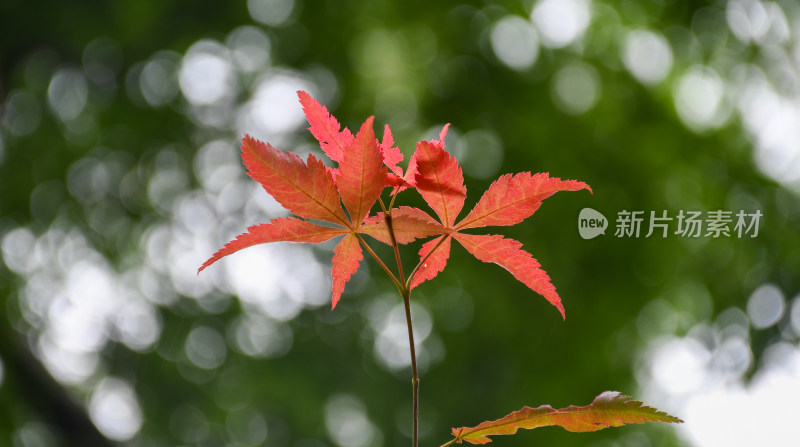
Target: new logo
<point>591,223</point>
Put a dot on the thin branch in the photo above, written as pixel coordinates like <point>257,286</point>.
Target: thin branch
<point>400,286</point>
<point>394,196</point>
<point>414,372</point>
<point>405,292</point>
<point>388,217</point>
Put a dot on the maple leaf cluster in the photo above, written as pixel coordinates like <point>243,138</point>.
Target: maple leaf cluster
<point>343,196</point>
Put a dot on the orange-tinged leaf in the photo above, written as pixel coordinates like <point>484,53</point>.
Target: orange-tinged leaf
<point>347,255</point>
<point>507,254</point>
<point>609,409</point>
<point>439,180</point>
<point>434,255</point>
<point>408,180</point>
<point>325,128</point>
<point>281,229</point>
<point>361,174</point>
<point>513,198</point>
<point>306,190</point>
<point>391,153</point>
<point>408,225</point>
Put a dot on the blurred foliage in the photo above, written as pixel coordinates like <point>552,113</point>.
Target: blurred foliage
<point>96,169</point>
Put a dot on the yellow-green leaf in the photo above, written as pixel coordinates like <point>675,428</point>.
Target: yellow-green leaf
<point>609,409</point>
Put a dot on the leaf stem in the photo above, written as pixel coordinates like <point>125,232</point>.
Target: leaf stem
<point>449,443</point>
<point>383,207</point>
<point>400,286</point>
<point>394,196</point>
<point>388,217</point>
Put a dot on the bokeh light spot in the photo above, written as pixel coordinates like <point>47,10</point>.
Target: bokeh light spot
<point>34,434</point>
<point>576,88</point>
<point>700,99</point>
<point>749,415</point>
<point>67,366</point>
<point>795,315</point>
<point>278,280</point>
<point>648,56</point>
<point>561,22</point>
<point>189,424</point>
<point>765,306</point>
<point>515,42</point>
<point>138,324</point>
<point>658,317</point>
<point>216,165</point>
<point>482,153</point>
<point>206,75</point>
<point>391,334</point>
<point>260,336</point>
<point>102,61</point>
<point>68,93</point>
<point>17,246</point>
<point>397,105</point>
<point>205,347</point>
<point>270,12</point>
<point>679,365</point>
<point>159,78</point>
<point>771,119</point>
<point>754,20</point>
<point>246,427</point>
<point>88,180</point>
<point>115,410</point>
<point>21,113</point>
<point>347,422</point>
<point>273,112</point>
<point>250,48</point>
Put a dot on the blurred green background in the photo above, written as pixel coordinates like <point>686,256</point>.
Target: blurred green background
<point>119,176</point>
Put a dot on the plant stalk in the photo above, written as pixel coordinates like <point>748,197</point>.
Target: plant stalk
<point>405,292</point>
<point>414,372</point>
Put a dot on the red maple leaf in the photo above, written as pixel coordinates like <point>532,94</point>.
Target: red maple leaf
<point>508,201</point>
<point>325,128</point>
<point>308,190</point>
<point>344,195</point>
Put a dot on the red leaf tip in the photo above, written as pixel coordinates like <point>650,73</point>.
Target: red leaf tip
<point>443,132</point>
